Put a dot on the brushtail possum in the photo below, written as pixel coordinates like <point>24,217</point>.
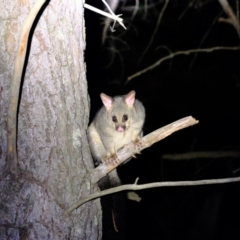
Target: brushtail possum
<point>116,124</point>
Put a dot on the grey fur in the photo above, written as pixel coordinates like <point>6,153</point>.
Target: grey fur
<point>103,133</point>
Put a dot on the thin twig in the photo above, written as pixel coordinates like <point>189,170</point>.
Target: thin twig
<point>155,31</point>
<point>112,9</point>
<point>119,54</point>
<point>149,6</point>
<point>135,9</point>
<point>145,9</point>
<point>15,87</point>
<point>112,16</point>
<point>197,155</point>
<point>191,3</point>
<point>203,39</point>
<point>232,18</point>
<point>156,64</point>
<point>237,9</point>
<point>146,186</point>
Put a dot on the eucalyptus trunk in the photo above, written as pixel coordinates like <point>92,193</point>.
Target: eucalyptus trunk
<point>53,152</point>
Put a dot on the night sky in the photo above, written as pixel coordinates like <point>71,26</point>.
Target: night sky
<point>203,85</point>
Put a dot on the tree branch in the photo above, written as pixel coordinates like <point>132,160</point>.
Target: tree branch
<point>203,39</point>
<point>197,155</point>
<point>232,18</point>
<point>111,15</point>
<point>125,153</point>
<point>136,187</point>
<point>155,30</point>
<point>179,53</point>
<point>129,150</point>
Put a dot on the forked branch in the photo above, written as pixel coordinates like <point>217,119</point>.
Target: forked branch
<point>128,151</point>
<point>232,18</point>
<point>136,187</point>
<point>148,140</point>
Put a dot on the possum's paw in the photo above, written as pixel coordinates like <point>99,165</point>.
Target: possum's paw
<point>137,146</point>
<point>111,160</point>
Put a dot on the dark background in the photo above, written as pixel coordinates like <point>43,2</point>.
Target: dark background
<point>204,85</point>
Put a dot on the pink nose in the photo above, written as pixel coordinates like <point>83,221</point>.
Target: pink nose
<point>120,129</point>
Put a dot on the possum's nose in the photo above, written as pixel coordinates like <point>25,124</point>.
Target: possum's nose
<point>121,128</point>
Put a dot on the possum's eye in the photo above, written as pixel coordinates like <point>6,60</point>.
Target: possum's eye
<point>124,118</point>
<point>114,119</point>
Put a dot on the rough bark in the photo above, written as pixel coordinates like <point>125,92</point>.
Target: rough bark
<point>53,151</point>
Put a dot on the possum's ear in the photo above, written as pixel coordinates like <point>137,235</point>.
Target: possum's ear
<point>107,101</point>
<point>130,98</point>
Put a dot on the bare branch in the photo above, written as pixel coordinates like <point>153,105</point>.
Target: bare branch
<point>156,64</point>
<point>146,186</point>
<point>129,150</point>
<point>147,6</point>
<point>112,8</point>
<point>196,155</point>
<point>15,87</point>
<point>135,9</point>
<point>114,54</point>
<point>155,30</point>
<point>111,15</point>
<point>232,18</point>
<point>191,3</point>
<point>203,39</point>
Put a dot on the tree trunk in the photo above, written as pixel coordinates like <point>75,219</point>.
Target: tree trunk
<point>53,151</point>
